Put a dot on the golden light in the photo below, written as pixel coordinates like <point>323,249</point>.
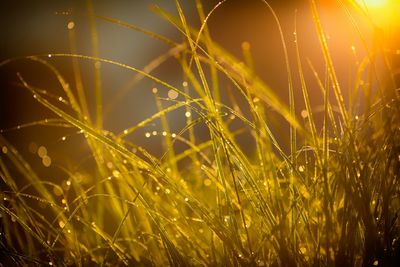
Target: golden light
<point>383,13</point>
<point>372,3</point>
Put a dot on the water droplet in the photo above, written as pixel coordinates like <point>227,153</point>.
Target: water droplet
<point>42,151</point>
<point>356,117</point>
<point>301,168</point>
<point>304,114</point>
<point>4,149</point>
<point>154,132</point>
<point>172,94</point>
<point>63,138</point>
<point>164,133</point>
<point>147,134</point>
<point>154,90</point>
<point>187,114</point>
<point>173,135</point>
<point>60,99</point>
<point>184,84</point>
<point>186,199</point>
<point>46,160</point>
<point>68,182</point>
<point>167,191</point>
<point>116,173</point>
<point>49,55</point>
<point>97,64</point>
<point>70,25</point>
<point>125,131</point>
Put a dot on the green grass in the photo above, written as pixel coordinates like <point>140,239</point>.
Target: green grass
<point>331,197</point>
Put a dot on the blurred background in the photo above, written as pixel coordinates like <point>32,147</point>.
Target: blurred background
<point>45,27</point>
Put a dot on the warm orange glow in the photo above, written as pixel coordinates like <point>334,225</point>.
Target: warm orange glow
<point>384,13</point>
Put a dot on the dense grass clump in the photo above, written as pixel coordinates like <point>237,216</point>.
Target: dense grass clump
<point>328,197</point>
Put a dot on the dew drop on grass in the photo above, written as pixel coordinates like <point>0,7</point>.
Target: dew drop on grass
<point>147,134</point>
<point>301,168</point>
<point>207,182</point>
<point>70,25</point>
<point>186,199</point>
<point>49,55</point>
<point>46,160</point>
<point>109,165</point>
<point>116,173</point>
<point>154,90</point>
<point>68,182</point>
<point>4,149</point>
<point>63,138</point>
<point>167,191</point>
<point>184,84</point>
<point>172,94</point>
<point>187,114</point>
<point>173,135</point>
<point>164,133</point>
<point>154,133</point>
<point>42,151</point>
<point>304,114</point>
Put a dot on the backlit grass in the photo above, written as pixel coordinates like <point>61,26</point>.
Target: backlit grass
<point>330,196</point>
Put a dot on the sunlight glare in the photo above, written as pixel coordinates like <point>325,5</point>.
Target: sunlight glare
<point>371,3</point>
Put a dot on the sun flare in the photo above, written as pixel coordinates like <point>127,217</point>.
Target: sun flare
<point>372,3</point>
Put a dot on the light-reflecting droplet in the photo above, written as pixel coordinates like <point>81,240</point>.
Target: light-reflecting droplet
<point>70,25</point>
<point>172,94</point>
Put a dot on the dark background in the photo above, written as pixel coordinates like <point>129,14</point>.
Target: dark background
<point>40,28</point>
